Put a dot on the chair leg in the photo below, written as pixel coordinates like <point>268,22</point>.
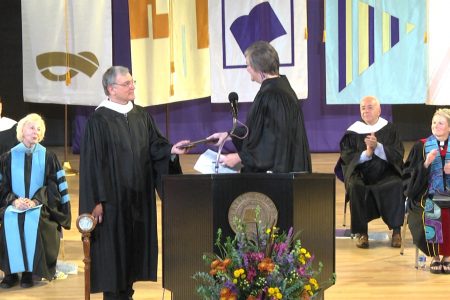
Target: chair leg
<point>416,264</point>
<point>345,213</point>
<point>405,223</point>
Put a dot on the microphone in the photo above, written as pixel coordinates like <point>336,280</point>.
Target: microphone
<point>233,98</point>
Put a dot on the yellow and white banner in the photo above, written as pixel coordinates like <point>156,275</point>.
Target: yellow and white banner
<point>235,25</point>
<point>438,53</point>
<point>67,46</point>
<point>169,50</point>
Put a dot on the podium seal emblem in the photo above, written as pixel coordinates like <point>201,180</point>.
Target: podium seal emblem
<point>244,208</point>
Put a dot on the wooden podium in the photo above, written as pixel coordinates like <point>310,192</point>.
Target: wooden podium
<point>195,206</point>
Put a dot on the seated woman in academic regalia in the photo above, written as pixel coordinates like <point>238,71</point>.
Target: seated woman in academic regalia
<point>427,178</point>
<point>34,206</point>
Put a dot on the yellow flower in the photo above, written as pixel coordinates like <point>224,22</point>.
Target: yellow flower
<point>235,281</point>
<point>268,230</point>
<point>274,292</point>
<point>303,250</point>
<point>308,255</point>
<point>313,281</point>
<point>238,272</point>
<point>307,287</point>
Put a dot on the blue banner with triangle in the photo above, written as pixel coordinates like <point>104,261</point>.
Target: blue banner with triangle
<point>376,48</point>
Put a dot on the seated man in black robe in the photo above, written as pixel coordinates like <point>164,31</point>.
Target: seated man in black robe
<point>372,161</point>
<point>7,132</point>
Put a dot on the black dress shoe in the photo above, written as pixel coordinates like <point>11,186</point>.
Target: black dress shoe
<point>27,280</point>
<point>9,281</point>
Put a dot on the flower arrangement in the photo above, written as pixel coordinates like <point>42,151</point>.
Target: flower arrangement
<point>268,266</point>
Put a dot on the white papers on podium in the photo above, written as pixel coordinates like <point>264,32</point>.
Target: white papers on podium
<point>206,164</point>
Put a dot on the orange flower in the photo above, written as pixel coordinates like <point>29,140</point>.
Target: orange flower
<point>266,265</point>
<point>215,263</point>
<point>226,294</point>
<point>227,262</point>
<point>218,265</point>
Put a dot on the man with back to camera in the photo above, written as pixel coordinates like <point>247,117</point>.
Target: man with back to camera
<point>275,139</point>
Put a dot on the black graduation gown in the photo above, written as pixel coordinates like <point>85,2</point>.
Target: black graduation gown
<point>374,188</point>
<point>122,159</point>
<point>55,212</point>
<point>277,139</point>
<point>8,139</point>
<point>416,176</point>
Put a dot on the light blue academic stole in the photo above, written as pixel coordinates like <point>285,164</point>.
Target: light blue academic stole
<point>15,251</point>
<point>432,212</point>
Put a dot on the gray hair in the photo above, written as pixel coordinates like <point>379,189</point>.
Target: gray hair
<point>109,77</point>
<point>262,57</point>
<point>30,118</point>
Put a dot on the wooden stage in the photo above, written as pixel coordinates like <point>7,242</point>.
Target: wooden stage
<point>379,272</point>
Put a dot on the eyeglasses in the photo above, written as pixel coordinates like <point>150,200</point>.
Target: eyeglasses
<point>126,83</point>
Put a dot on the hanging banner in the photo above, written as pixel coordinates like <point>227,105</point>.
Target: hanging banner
<point>235,25</point>
<point>169,50</point>
<point>439,52</point>
<point>67,46</point>
<point>376,48</point>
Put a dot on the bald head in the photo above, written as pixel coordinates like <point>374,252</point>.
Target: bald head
<point>370,109</point>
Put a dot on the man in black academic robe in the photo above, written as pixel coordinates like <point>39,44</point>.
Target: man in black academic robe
<point>123,156</point>
<point>274,138</point>
<point>277,139</point>
<point>372,160</point>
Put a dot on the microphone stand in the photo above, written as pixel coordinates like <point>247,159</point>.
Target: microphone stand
<point>216,167</point>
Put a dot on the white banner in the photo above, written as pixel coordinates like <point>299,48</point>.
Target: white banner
<point>438,53</point>
<point>57,39</point>
<point>169,50</point>
<point>235,25</point>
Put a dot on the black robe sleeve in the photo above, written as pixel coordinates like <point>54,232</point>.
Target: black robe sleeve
<point>51,197</point>
<point>8,139</point>
<point>415,175</point>
<point>415,178</point>
<point>164,162</point>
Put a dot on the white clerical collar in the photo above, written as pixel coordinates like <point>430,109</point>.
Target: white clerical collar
<point>120,108</point>
<point>6,123</point>
<point>362,128</point>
